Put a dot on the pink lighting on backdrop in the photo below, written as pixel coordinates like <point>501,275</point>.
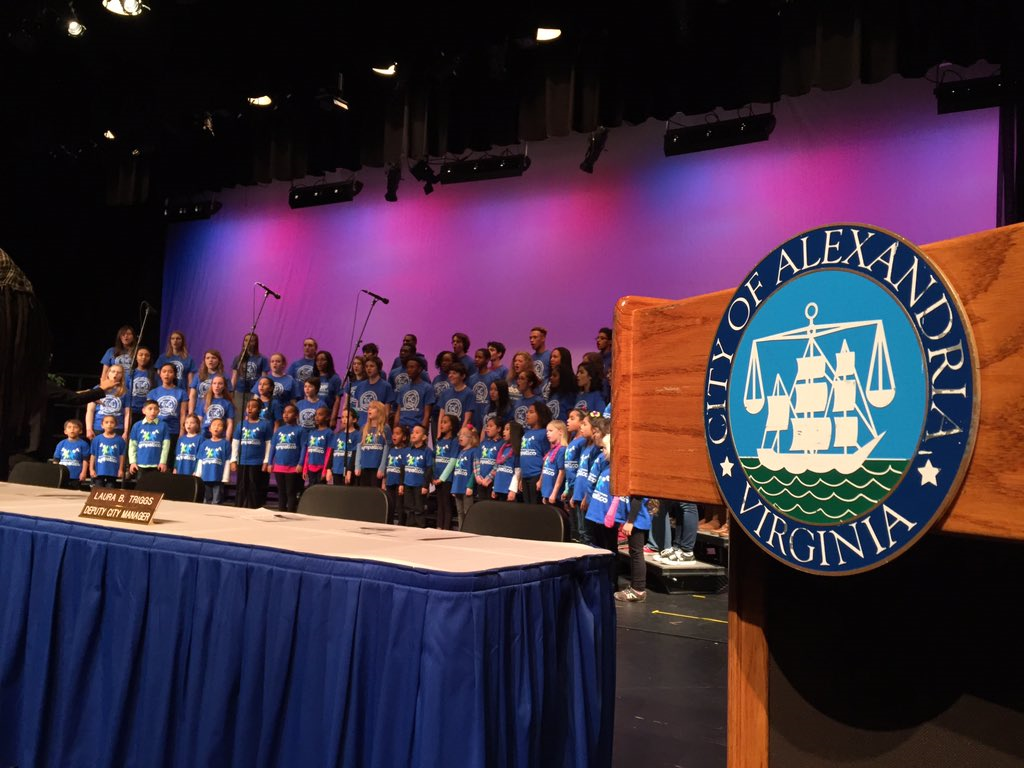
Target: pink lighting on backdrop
<point>558,247</point>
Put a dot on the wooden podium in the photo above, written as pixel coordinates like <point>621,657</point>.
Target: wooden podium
<point>787,659</point>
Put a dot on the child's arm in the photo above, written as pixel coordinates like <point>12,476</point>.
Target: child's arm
<point>92,464</point>
<point>183,407</point>
<point>127,421</point>
<point>90,417</point>
<point>559,478</point>
<point>235,445</point>
<point>383,460</point>
<point>133,455</point>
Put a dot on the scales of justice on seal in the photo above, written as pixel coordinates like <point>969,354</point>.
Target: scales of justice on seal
<point>851,402</point>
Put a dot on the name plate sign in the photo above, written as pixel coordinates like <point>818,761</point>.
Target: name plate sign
<point>124,506</point>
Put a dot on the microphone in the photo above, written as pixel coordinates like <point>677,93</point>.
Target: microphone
<point>378,297</point>
<point>149,307</point>
<point>275,294</point>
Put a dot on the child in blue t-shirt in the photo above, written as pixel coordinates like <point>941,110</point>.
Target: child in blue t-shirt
<point>186,452</point>
<point>446,447</point>
<point>393,468</point>
<point>552,476</point>
<point>342,456</point>
<point>148,445</point>
<point>73,453</point>
<point>216,404</point>
<point>250,452</point>
<point>531,453</point>
<point>416,477</point>
<point>483,470</point>
<point>462,474</point>
<point>107,454</point>
<point>310,403</point>
<point>271,409</point>
<point>214,466</point>
<point>506,461</point>
<point>318,444</point>
<point>287,452</point>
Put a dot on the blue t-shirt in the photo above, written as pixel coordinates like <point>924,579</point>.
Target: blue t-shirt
<point>219,408</point>
<point>318,442</point>
<point>393,467</point>
<point>398,378</point>
<point>140,389</point>
<point>522,405</point>
<point>72,454</point>
<point>581,486</point>
<point>124,359</point>
<point>590,401</point>
<point>283,388</point>
<point>531,452</point>
<point>170,399</point>
<point>560,405</point>
<point>445,449</point>
<point>108,452</point>
<point>373,448</point>
<point>330,388</point>
<point>572,461</point>
<point>186,454</point>
<point>253,370</point>
<point>505,470</point>
<point>554,462</point>
<point>416,463</point>
<point>441,385</point>
<point>252,437</point>
<point>462,475</point>
<point>366,393</point>
<point>183,366</point>
<point>487,451</point>
<point>600,497</point>
<point>288,446</point>
<point>272,410</point>
<point>480,384</point>
<point>307,412</point>
<point>302,369</point>
<point>457,404</point>
<point>412,401</point>
<point>542,364</point>
<point>149,442</point>
<point>111,405</point>
<point>344,452</point>
<point>213,458</point>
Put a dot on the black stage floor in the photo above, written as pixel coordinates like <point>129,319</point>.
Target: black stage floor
<point>671,683</point>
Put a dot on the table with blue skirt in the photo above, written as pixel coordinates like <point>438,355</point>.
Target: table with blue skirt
<point>229,637</point>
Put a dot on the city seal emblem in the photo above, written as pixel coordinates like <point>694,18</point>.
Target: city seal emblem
<point>841,399</point>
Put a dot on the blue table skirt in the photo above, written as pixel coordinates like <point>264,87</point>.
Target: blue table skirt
<point>123,648</point>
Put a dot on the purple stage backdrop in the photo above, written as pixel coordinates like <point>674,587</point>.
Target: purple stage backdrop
<point>557,247</point>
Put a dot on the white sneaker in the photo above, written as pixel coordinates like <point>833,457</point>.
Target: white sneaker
<point>681,556</point>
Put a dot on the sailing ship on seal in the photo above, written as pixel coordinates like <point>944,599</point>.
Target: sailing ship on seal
<point>823,420</point>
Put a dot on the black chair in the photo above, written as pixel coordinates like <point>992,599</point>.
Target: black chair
<point>370,505</point>
<point>40,473</point>
<point>173,487</point>
<point>538,522</point>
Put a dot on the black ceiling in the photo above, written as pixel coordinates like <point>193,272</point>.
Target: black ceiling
<point>469,77</point>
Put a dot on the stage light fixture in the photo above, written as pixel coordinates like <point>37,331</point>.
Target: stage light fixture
<point>716,135</point>
<point>547,34</point>
<point>976,93</point>
<point>109,135</point>
<point>260,101</point>
<point>190,211</point>
<point>484,168</point>
<point>595,146</point>
<point>324,194</point>
<point>393,174</point>
<point>387,71</point>
<point>125,7</point>
<point>422,171</point>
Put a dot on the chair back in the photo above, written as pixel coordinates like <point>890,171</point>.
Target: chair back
<point>347,502</point>
<point>539,522</point>
<point>40,473</point>
<point>173,487</point>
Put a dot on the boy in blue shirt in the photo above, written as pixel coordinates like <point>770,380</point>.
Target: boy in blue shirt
<point>149,445</point>
<point>415,399</point>
<point>107,454</point>
<point>73,453</point>
<point>250,452</point>
<point>416,479</point>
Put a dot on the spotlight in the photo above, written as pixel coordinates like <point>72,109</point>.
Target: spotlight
<point>394,176</point>
<point>125,7</point>
<point>484,168</point>
<point>109,135</point>
<point>977,93</point>
<point>324,194</point>
<point>547,34</point>
<point>387,71</point>
<point>595,146</point>
<point>75,27</point>
<point>724,133</point>
<point>422,171</point>
<point>190,211</point>
<point>260,101</point>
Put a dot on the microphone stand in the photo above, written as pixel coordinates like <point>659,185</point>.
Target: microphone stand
<point>243,370</point>
<point>130,383</point>
<point>346,384</point>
